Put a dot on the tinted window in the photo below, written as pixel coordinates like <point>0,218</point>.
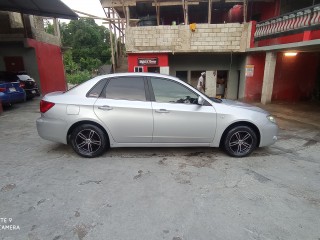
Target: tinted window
<point>126,88</point>
<point>172,92</point>
<point>8,77</point>
<point>97,89</point>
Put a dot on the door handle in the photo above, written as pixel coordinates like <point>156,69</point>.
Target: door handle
<point>162,111</point>
<point>105,108</point>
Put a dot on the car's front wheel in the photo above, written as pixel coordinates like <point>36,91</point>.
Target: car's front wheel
<point>88,140</point>
<point>240,141</point>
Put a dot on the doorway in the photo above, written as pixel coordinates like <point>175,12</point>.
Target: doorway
<point>183,75</point>
<point>14,64</point>
<point>154,69</point>
<point>222,83</point>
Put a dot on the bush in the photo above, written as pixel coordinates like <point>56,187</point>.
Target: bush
<point>78,77</point>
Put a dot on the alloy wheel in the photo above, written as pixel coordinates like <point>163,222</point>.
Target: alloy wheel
<point>88,141</point>
<point>241,142</point>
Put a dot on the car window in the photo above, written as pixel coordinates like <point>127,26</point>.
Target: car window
<point>97,89</point>
<point>126,88</point>
<point>172,92</point>
<point>24,77</point>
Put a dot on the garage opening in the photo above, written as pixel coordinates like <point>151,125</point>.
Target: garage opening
<point>222,80</point>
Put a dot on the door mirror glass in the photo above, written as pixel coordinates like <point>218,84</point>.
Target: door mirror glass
<point>201,100</point>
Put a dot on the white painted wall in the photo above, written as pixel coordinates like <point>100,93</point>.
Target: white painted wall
<point>164,70</point>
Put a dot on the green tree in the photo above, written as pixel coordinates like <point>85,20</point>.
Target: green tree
<point>70,66</point>
<point>90,43</point>
<point>48,27</point>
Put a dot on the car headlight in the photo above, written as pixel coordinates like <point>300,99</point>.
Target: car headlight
<point>271,119</point>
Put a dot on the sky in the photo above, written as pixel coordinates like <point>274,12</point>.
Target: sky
<point>92,7</point>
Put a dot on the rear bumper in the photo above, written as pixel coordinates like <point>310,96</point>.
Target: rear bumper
<point>31,92</point>
<point>52,129</point>
<point>14,97</point>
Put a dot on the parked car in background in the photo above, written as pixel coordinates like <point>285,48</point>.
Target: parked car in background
<point>28,84</point>
<point>10,91</point>
<point>150,110</point>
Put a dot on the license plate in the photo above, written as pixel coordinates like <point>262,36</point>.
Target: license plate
<point>33,91</point>
<point>12,89</point>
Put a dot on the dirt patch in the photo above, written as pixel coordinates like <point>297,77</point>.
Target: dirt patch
<point>90,181</point>
<point>81,230</point>
<point>8,187</point>
<point>206,161</point>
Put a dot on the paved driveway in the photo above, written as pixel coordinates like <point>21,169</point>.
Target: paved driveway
<point>48,192</point>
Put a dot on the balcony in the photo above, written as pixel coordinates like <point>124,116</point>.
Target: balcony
<point>290,23</point>
<point>181,39</point>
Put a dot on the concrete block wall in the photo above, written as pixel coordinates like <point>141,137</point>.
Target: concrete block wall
<point>12,28</point>
<point>206,38</point>
<point>39,34</point>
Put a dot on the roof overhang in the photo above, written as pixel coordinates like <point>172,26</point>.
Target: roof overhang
<point>52,8</point>
<point>307,46</point>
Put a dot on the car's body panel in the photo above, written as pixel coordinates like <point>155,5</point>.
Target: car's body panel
<point>29,85</point>
<point>11,93</point>
<point>150,123</point>
<point>128,121</point>
<point>183,123</point>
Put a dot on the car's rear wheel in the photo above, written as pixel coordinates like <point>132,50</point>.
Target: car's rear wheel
<point>88,140</point>
<point>240,141</point>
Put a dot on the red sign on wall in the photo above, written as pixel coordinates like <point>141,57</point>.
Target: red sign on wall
<point>147,61</point>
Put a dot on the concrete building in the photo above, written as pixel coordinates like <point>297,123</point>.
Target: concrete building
<point>241,45</point>
<point>25,46</point>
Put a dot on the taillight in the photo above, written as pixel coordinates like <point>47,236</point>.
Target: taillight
<point>22,85</point>
<point>2,89</point>
<point>45,106</point>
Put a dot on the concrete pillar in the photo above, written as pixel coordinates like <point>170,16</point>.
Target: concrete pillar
<point>189,77</point>
<point>268,77</point>
<point>56,27</point>
<point>127,16</point>
<point>211,83</point>
<point>232,84</point>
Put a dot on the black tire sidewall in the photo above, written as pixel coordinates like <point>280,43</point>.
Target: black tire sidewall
<point>101,134</point>
<point>229,135</point>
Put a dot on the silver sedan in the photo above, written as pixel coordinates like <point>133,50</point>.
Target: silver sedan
<point>150,110</point>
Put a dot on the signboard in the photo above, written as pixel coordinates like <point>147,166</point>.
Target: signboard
<point>147,61</point>
<point>249,70</point>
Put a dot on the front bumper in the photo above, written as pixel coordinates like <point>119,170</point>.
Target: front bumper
<point>52,129</point>
<point>269,134</point>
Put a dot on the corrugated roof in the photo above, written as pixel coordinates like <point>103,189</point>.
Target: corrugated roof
<point>46,8</point>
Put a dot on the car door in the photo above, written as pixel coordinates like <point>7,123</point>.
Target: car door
<point>178,118</point>
<point>124,109</point>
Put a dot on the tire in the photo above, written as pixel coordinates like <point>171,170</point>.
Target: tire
<point>88,141</point>
<point>240,141</point>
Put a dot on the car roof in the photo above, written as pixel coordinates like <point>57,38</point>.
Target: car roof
<point>80,89</point>
<point>143,74</point>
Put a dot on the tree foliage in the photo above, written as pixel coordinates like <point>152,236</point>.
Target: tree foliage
<point>89,43</point>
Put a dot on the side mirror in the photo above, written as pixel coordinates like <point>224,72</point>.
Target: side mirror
<point>201,100</point>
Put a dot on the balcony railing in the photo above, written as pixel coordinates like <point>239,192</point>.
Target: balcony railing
<point>293,22</point>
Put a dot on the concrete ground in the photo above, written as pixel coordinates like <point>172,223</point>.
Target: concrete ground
<point>48,192</point>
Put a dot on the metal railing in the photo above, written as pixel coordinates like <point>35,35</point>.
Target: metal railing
<point>288,23</point>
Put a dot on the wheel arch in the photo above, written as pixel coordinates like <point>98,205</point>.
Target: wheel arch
<point>76,124</point>
<point>241,123</point>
